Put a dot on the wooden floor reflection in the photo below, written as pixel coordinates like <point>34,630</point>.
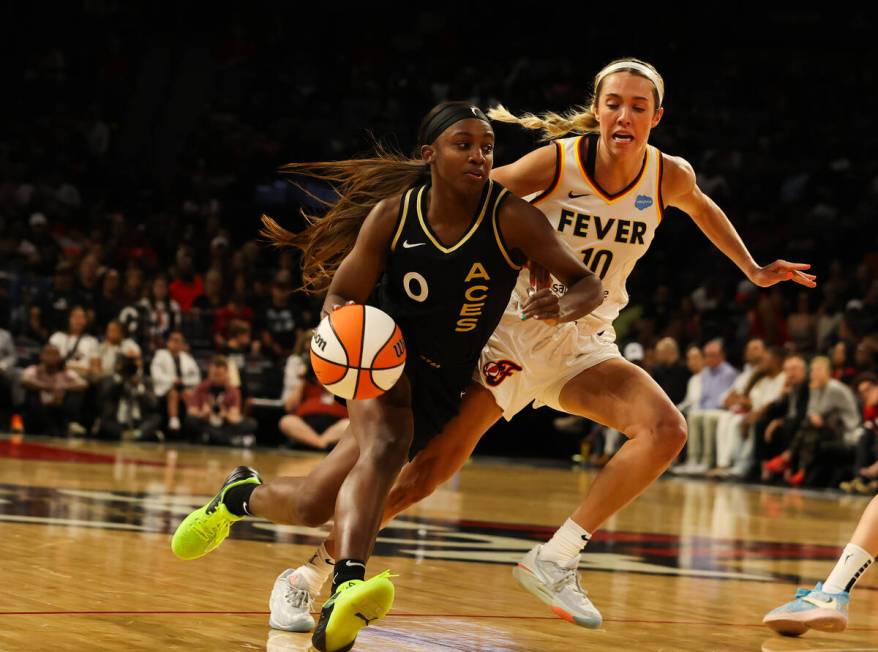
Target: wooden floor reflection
<point>84,535</point>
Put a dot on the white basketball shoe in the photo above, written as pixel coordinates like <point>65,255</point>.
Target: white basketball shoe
<point>558,587</point>
<point>291,603</point>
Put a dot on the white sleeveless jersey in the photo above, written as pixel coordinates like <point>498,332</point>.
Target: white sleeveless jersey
<point>609,232</point>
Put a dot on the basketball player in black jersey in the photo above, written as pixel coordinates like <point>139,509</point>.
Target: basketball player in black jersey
<point>447,246</point>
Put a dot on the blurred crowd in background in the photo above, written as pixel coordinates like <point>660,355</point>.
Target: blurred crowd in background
<point>136,155</point>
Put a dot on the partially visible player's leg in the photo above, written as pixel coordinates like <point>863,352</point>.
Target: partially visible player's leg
<point>622,396</point>
<point>383,428</point>
<point>308,500</point>
<point>443,456</point>
<point>334,433</point>
<point>825,607</point>
<point>445,453</point>
<point>866,534</point>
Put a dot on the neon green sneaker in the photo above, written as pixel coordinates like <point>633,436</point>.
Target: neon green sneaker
<point>353,606</point>
<point>206,527</point>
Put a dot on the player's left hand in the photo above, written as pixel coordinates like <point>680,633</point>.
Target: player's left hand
<point>782,270</point>
<point>542,305</point>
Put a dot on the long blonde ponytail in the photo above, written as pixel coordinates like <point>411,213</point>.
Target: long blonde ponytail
<point>581,119</point>
<point>576,120</point>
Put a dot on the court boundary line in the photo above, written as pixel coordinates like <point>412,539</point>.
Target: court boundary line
<point>633,621</point>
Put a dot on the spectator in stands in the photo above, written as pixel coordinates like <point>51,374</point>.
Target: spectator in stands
<point>669,373</point>
<point>802,324</point>
<point>132,315</point>
<point>35,329</point>
<point>767,385</point>
<point>78,349</point>
<point>736,404</point>
<point>114,346</point>
<point>129,406</point>
<point>716,379</point>
<point>161,313</point>
<point>55,305</point>
<point>767,321</point>
<point>237,349</point>
<point>695,364</point>
<point>280,321</point>
<point>236,310</point>
<point>187,285</point>
<point>314,418</point>
<point>174,375</point>
<point>214,409</point>
<point>42,251</point>
<point>109,304</point>
<point>865,477</point>
<point>134,281</point>
<point>50,404</point>
<point>754,353</point>
<point>864,356</point>
<point>206,306</point>
<point>829,317</point>
<point>10,378</point>
<point>783,417</point>
<point>842,358</point>
<point>831,416</point>
<point>88,282</point>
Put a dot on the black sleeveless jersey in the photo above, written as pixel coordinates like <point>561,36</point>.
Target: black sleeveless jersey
<point>448,299</point>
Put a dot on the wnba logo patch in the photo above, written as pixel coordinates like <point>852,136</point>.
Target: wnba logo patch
<point>642,202</point>
<point>496,372</point>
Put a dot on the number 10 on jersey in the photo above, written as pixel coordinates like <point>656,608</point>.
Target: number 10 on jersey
<point>597,261</point>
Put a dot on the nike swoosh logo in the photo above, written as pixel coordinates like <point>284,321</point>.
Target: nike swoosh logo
<point>823,604</point>
<point>407,245</point>
<point>573,195</point>
<point>350,563</point>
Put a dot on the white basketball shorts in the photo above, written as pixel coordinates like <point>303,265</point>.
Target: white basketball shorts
<point>526,361</point>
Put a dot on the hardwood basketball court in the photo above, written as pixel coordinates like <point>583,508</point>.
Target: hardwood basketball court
<point>85,530</point>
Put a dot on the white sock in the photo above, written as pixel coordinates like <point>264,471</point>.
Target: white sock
<point>566,544</point>
<point>851,565</point>
<point>317,570</point>
<point>174,423</point>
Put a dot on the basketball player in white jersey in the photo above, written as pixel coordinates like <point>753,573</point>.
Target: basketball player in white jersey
<point>605,190</point>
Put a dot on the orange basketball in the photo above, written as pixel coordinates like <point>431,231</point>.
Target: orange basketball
<point>357,352</point>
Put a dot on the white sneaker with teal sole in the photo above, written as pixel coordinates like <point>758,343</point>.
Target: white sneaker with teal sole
<point>558,587</point>
<point>811,609</point>
<point>291,604</point>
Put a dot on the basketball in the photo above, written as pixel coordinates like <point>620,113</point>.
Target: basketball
<point>357,352</point>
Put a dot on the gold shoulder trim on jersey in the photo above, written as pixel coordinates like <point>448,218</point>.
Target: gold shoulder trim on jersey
<point>556,180</point>
<point>403,213</point>
<point>466,236</point>
<point>499,236</point>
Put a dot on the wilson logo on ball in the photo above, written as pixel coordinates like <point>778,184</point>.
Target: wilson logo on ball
<point>358,352</point>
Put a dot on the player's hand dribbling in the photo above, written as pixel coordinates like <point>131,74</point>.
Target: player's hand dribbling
<point>782,270</point>
<point>542,305</point>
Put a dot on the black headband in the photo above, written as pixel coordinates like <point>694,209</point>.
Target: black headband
<point>447,117</point>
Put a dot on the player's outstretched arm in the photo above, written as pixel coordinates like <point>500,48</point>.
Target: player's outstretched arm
<point>532,173</point>
<point>359,271</point>
<point>526,230</point>
<point>681,190</point>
